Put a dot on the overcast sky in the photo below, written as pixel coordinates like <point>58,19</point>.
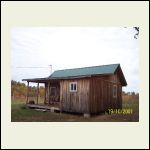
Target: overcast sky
<point>72,47</point>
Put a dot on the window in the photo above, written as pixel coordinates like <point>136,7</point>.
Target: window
<point>73,87</point>
<point>53,91</point>
<point>115,91</point>
<point>115,78</point>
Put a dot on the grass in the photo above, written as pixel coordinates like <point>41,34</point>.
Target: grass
<point>20,113</point>
<point>23,114</point>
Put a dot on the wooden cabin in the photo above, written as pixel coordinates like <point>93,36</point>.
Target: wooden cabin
<point>88,90</point>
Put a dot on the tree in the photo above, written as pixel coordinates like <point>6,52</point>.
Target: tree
<point>137,32</point>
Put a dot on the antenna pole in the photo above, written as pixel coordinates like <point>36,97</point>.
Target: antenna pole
<point>51,69</point>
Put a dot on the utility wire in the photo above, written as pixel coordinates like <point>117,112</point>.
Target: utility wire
<point>32,67</point>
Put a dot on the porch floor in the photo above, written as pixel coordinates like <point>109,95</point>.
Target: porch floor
<point>51,108</point>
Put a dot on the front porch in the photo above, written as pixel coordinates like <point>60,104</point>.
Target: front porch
<point>51,95</point>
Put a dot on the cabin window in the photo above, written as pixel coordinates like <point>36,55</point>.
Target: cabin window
<point>115,91</point>
<point>53,91</point>
<point>73,87</point>
<point>115,78</point>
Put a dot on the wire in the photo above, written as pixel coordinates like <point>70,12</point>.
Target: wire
<point>32,67</point>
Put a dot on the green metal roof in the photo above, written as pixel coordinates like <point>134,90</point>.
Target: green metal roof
<point>82,72</point>
<point>87,71</point>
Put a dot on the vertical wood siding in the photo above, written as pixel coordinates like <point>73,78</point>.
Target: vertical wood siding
<point>101,94</point>
<point>93,94</point>
<point>75,101</point>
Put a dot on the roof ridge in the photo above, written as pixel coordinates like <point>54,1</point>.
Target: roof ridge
<point>86,67</point>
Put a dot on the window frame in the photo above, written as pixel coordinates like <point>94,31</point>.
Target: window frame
<point>74,84</point>
<point>51,90</point>
<point>115,78</point>
<point>115,91</point>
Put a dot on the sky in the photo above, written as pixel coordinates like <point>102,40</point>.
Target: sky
<point>34,49</point>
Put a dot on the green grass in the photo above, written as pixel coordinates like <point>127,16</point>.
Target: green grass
<point>23,114</point>
<point>20,113</point>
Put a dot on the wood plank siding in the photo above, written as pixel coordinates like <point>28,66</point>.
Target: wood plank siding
<point>101,94</point>
<point>93,95</point>
<point>75,101</point>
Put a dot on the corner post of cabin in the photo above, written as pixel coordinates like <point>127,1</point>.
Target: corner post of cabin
<point>27,92</point>
<point>60,99</point>
<point>45,94</point>
<point>48,92</point>
<point>37,92</point>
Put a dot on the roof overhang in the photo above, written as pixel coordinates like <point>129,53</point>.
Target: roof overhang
<point>36,80</point>
<point>44,80</point>
<point>122,78</point>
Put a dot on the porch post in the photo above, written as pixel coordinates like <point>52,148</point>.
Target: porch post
<point>37,92</point>
<point>27,92</point>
